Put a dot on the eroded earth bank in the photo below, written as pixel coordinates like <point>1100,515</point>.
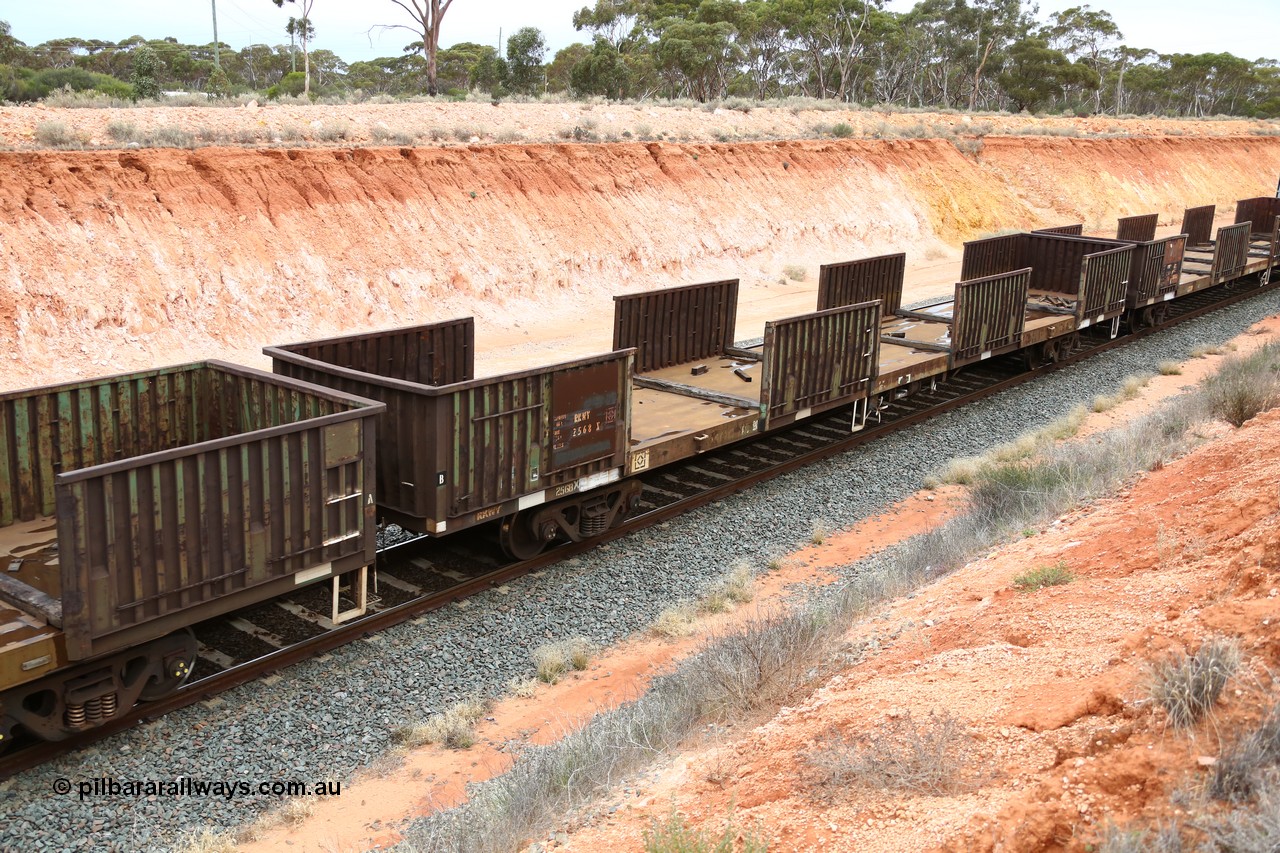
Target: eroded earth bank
<point>116,260</point>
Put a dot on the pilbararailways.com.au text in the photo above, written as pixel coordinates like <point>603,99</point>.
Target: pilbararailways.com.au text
<point>228,789</point>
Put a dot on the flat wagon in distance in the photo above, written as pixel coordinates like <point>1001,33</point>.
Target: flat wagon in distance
<point>696,389</point>
<point>982,318</point>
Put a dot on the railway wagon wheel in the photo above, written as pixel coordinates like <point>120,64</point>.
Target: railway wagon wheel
<point>1050,351</point>
<point>518,538</point>
<point>527,533</point>
<point>79,698</point>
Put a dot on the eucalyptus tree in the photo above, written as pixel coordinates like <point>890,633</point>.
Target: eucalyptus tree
<point>305,33</point>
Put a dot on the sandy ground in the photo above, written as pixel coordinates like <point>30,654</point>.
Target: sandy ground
<point>475,123</point>
<point>117,260</point>
<point>1050,685</point>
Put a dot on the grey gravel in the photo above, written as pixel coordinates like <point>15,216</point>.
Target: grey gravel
<point>326,719</point>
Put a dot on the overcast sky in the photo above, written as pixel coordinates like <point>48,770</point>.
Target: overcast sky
<point>1248,29</point>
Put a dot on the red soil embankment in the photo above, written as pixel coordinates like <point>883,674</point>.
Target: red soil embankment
<point>118,260</point>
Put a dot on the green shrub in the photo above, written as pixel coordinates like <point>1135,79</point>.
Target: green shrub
<point>219,84</point>
<point>145,66</point>
<point>1039,578</point>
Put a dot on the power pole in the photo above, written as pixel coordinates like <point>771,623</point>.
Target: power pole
<point>216,62</point>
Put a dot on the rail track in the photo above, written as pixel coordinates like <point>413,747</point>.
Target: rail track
<point>417,575</point>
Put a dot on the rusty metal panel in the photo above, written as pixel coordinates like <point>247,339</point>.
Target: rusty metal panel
<point>1137,229</point>
<point>1231,252</point>
<point>406,459</point>
<point>584,415</point>
<point>1105,287</point>
<point>989,316</point>
<point>819,361</point>
<point>522,434</point>
<point>1155,270</point>
<point>864,280</point>
<point>1066,230</point>
<point>183,492</point>
<point>992,256</point>
<point>676,325</point>
<point>1197,224</point>
<point>1262,212</point>
<point>435,354</point>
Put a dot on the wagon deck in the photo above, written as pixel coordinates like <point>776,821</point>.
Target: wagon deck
<point>30,573</point>
<point>682,410</point>
<point>697,390</point>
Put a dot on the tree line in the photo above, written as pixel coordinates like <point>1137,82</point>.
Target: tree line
<point>961,54</point>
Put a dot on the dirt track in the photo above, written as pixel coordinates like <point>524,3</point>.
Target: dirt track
<point>118,260</point>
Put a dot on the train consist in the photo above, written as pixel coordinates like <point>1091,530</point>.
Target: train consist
<point>135,506</point>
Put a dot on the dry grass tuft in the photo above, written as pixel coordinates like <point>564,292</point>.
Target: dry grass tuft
<point>819,533</point>
<point>206,841</point>
<point>1188,686</point>
<point>1105,402</point>
<point>452,729</point>
<point>901,755</point>
<point>1244,768</point>
<point>675,836</point>
<point>555,659</point>
<point>676,621</point>
<point>522,688</point>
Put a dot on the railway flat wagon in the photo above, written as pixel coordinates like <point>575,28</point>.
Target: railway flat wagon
<point>1250,245</point>
<point>1155,267</point>
<point>696,389</point>
<point>983,318</point>
<point>1078,277</point>
<point>541,451</point>
<point>136,505</point>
